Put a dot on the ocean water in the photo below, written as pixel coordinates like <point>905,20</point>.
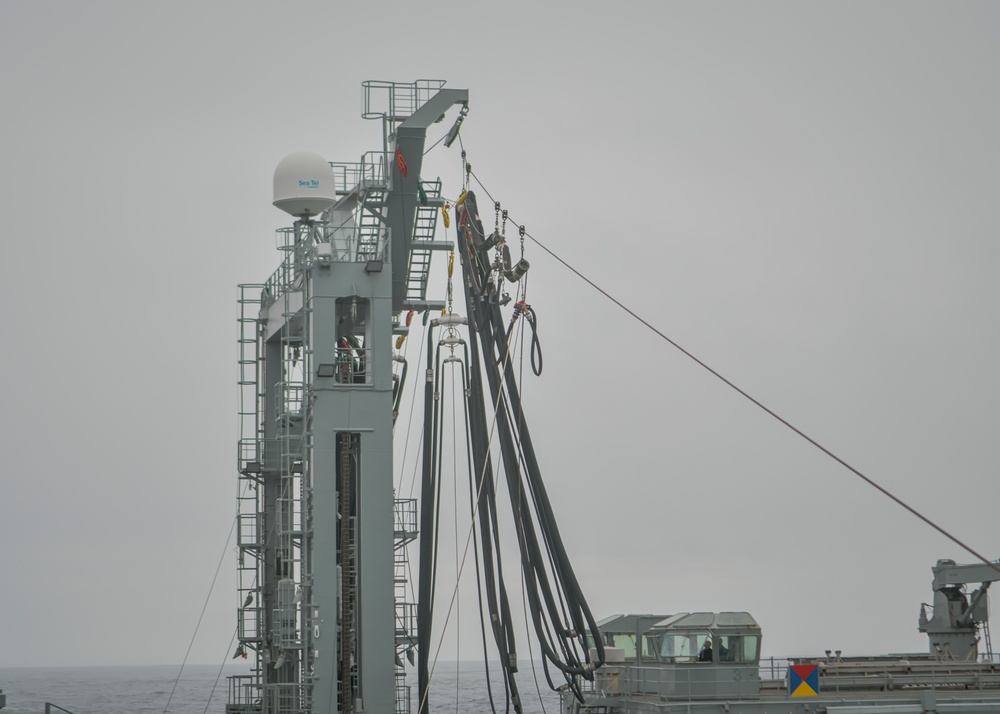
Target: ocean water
<point>145,690</point>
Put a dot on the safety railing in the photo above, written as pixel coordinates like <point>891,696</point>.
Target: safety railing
<point>373,170</point>
<point>247,532</point>
<point>696,681</point>
<point>358,244</point>
<point>244,694</point>
<point>281,280</point>
<point>249,623</point>
<point>248,457</point>
<point>397,100</point>
<point>884,674</point>
<point>298,244</point>
<point>773,669</point>
<point>368,173</point>
<point>49,706</point>
<point>292,399</point>
<point>710,681</point>
<point>406,623</point>
<point>405,512</point>
<point>402,696</point>
<point>282,698</point>
<point>346,175</point>
<point>291,505</point>
<point>366,241</point>
<point>286,627</point>
<point>905,674</point>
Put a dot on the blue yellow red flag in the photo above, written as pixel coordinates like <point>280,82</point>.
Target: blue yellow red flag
<point>803,680</point>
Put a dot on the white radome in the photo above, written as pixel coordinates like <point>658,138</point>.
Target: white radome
<point>304,184</point>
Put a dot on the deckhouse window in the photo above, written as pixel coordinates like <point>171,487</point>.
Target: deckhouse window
<point>738,648</point>
<point>683,648</point>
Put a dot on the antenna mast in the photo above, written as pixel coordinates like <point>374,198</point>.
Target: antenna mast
<point>320,536</point>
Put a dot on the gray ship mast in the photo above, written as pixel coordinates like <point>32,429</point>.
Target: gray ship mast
<point>321,539</point>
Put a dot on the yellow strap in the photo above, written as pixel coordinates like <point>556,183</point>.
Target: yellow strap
<point>447,218</point>
<point>399,341</point>
<point>461,199</point>
<point>451,264</point>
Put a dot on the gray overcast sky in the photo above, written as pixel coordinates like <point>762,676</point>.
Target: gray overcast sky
<point>802,194</point>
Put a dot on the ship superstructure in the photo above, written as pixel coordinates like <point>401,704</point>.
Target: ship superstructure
<point>321,538</point>
<point>325,609</point>
<point>710,663</point>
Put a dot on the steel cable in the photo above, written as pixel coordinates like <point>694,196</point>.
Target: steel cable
<point>755,402</point>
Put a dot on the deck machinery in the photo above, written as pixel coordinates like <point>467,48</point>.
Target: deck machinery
<point>710,663</point>
<point>322,609</point>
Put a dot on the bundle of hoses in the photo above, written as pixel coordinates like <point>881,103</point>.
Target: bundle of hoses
<point>559,614</point>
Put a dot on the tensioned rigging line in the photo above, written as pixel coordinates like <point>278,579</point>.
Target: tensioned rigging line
<point>221,668</point>
<point>208,597</point>
<point>267,539</point>
<point>443,137</point>
<point>204,607</point>
<point>754,401</point>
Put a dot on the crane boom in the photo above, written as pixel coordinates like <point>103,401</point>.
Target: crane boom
<point>959,621</point>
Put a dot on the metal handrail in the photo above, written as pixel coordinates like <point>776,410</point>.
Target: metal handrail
<point>49,706</point>
<point>399,99</point>
<point>357,245</point>
<point>685,681</point>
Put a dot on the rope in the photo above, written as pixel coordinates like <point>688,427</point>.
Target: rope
<point>221,667</point>
<point>443,137</point>
<point>204,607</point>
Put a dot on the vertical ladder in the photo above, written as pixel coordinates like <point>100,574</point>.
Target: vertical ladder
<point>249,542</point>
<point>288,620</point>
<point>405,532</point>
